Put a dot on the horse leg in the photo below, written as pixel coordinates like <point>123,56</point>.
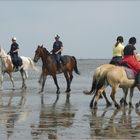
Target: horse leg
<point>113,92</point>
<point>70,77</point>
<point>106,99</point>
<point>130,98</point>
<point>123,99</point>
<point>43,83</point>
<point>23,75</point>
<point>12,80</point>
<point>68,82</point>
<point>91,102</point>
<point>56,83</point>
<point>40,78</point>
<point>1,81</point>
<point>97,96</point>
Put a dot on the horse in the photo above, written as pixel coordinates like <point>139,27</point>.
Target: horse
<point>6,66</point>
<point>116,78</point>
<point>97,76</point>
<point>49,67</point>
<point>99,72</point>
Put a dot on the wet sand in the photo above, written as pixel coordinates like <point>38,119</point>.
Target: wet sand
<point>25,114</point>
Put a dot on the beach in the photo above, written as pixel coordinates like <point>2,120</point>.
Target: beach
<point>26,114</point>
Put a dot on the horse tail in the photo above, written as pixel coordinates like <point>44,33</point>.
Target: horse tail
<point>93,86</point>
<point>96,82</point>
<point>75,66</point>
<point>102,80</point>
<point>32,64</point>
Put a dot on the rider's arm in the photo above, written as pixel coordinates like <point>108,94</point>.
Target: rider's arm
<point>60,50</point>
<point>16,50</point>
<point>135,54</point>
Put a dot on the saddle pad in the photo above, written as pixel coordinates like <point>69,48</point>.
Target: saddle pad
<point>130,74</point>
<point>64,59</point>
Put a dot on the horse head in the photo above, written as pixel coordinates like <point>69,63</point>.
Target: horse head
<point>2,53</point>
<point>40,52</point>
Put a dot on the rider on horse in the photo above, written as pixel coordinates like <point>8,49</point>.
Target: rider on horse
<point>57,49</point>
<point>16,60</point>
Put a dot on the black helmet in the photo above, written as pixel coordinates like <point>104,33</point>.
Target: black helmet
<point>132,40</point>
<point>119,39</point>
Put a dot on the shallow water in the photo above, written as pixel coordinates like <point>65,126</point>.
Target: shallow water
<point>25,114</point>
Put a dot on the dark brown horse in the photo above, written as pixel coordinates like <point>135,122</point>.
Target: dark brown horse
<point>49,67</point>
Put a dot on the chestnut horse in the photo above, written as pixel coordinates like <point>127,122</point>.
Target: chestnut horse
<point>6,66</point>
<point>49,67</point>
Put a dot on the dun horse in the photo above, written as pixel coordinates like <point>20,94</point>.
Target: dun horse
<point>6,66</point>
<point>49,67</point>
<point>116,78</point>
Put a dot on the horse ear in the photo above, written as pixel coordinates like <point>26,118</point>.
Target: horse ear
<point>42,45</point>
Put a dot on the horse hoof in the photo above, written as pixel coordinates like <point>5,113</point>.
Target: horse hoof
<point>121,101</point>
<point>58,92</point>
<point>40,91</point>
<point>68,90</point>
<point>91,105</point>
<point>137,105</point>
<point>108,104</point>
<point>100,97</point>
<point>130,105</point>
<point>87,92</point>
<point>117,106</point>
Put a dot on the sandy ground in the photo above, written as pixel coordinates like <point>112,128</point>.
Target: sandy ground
<point>25,114</point>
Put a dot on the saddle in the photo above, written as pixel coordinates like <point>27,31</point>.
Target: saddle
<point>63,61</point>
<point>129,72</point>
<point>17,63</point>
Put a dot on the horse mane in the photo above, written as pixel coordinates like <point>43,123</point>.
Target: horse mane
<point>46,51</point>
<point>2,52</point>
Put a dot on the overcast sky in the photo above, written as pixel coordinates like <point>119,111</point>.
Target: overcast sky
<point>87,28</point>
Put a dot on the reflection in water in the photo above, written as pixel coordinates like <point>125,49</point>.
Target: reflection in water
<point>9,115</point>
<point>118,125</point>
<point>1,101</point>
<point>51,118</point>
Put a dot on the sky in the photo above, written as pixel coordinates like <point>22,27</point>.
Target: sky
<point>87,28</point>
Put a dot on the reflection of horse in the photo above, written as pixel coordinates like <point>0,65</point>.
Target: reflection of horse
<point>116,77</point>
<point>10,114</point>
<point>51,118</point>
<point>119,125</point>
<point>6,66</point>
<point>49,67</point>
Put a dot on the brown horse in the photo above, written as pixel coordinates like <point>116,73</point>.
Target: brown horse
<point>116,78</point>
<point>49,67</point>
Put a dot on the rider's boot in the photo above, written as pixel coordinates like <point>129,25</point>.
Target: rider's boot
<point>59,67</point>
<point>15,68</point>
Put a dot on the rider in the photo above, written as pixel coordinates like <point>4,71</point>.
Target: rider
<point>117,51</point>
<point>57,50</point>
<point>14,54</point>
<point>130,60</point>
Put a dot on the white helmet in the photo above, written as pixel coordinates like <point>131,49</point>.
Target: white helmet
<point>57,36</point>
<point>14,39</point>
